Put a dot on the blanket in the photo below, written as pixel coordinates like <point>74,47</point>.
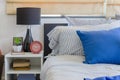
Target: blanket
<point>68,67</point>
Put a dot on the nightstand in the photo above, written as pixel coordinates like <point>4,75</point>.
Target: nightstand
<point>36,61</point>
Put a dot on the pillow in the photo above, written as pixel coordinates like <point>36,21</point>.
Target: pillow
<point>117,77</point>
<point>101,46</point>
<point>64,40</point>
<point>69,42</point>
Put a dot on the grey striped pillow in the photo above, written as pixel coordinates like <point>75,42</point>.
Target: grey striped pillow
<point>69,43</point>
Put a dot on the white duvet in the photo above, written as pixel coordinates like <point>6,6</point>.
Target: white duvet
<point>72,68</point>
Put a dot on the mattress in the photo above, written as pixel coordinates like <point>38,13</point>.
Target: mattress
<point>67,67</point>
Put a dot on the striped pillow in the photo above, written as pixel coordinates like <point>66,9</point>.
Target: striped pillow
<point>69,43</point>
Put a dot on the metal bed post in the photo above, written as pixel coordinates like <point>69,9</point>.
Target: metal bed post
<point>105,8</point>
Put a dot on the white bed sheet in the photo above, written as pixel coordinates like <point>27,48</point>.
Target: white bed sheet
<point>72,68</point>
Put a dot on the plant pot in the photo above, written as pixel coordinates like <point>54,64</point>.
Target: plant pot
<point>17,48</point>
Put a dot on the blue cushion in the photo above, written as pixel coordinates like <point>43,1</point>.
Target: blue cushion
<point>101,46</point>
<point>117,77</point>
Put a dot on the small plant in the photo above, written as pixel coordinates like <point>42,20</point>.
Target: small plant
<point>17,41</point>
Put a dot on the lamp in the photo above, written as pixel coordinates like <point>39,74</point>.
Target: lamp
<point>28,16</point>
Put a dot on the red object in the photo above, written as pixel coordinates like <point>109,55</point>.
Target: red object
<point>36,47</point>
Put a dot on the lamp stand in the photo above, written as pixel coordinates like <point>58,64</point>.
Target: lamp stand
<point>28,40</point>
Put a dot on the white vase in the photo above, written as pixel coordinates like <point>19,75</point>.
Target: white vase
<point>17,48</point>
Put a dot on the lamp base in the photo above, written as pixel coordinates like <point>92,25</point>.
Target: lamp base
<point>28,40</point>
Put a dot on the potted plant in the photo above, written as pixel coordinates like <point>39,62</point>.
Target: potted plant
<point>17,44</point>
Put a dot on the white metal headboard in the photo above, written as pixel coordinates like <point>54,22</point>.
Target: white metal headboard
<point>105,8</point>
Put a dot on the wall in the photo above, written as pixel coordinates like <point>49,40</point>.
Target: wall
<point>8,28</point>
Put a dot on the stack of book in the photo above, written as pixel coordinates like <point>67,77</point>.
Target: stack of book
<point>21,64</point>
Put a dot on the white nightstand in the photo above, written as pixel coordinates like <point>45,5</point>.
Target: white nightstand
<point>36,61</point>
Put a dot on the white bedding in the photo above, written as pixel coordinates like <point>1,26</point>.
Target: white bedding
<point>66,67</point>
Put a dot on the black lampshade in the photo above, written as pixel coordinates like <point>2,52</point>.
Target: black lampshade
<point>28,16</point>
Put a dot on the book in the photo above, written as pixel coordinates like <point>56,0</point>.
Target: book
<point>21,68</point>
<point>25,64</point>
<point>21,63</point>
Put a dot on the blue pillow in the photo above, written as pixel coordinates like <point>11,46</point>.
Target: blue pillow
<point>117,77</point>
<point>101,46</point>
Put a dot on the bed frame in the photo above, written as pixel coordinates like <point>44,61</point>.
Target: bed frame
<point>47,28</point>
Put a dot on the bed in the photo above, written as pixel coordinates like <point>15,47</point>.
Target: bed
<point>69,66</point>
<point>72,68</point>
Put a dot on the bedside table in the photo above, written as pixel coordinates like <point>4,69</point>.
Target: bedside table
<point>36,61</point>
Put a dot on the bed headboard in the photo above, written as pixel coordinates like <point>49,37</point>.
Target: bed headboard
<point>47,28</point>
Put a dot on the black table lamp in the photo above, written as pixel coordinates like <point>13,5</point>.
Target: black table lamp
<point>28,16</point>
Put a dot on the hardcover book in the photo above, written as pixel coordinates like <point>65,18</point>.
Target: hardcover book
<point>22,68</point>
<point>19,64</point>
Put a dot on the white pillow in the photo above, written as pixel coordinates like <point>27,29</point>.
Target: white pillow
<point>64,40</point>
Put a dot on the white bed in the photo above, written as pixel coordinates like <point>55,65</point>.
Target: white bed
<point>72,68</point>
<point>68,62</point>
